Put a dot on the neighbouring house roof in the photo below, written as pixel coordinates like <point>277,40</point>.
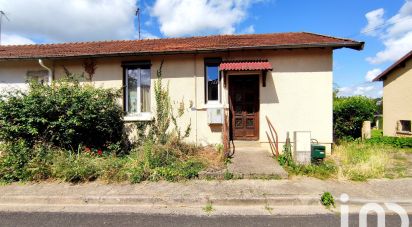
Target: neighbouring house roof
<point>177,45</point>
<point>245,65</point>
<point>399,63</point>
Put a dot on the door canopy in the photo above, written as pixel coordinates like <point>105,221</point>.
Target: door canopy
<point>246,65</point>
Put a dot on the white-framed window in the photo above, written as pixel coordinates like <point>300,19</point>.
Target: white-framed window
<point>404,126</point>
<point>137,85</point>
<point>40,76</point>
<point>212,81</point>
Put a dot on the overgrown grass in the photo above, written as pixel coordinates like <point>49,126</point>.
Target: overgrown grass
<point>153,162</point>
<point>360,161</point>
<point>357,161</point>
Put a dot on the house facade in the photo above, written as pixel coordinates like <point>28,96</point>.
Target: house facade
<point>229,83</point>
<point>397,97</point>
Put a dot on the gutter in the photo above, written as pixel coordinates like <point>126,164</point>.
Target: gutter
<point>50,73</point>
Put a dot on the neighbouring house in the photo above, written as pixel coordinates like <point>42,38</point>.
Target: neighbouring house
<point>232,81</point>
<point>397,97</point>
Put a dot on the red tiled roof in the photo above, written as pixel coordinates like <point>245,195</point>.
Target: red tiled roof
<point>397,64</point>
<point>245,65</point>
<point>176,45</point>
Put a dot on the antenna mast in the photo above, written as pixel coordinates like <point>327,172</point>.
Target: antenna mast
<point>2,14</point>
<point>138,20</point>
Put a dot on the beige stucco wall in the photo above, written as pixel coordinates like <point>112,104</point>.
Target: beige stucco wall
<point>297,96</point>
<point>397,99</point>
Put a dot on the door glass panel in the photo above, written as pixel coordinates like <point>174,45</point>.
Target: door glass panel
<point>250,97</point>
<point>238,97</point>
<point>249,123</point>
<point>239,123</point>
<point>238,110</point>
<point>250,109</point>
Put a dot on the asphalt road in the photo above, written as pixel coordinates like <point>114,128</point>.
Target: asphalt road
<point>113,219</point>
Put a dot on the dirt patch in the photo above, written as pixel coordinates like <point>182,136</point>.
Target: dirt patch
<point>213,158</point>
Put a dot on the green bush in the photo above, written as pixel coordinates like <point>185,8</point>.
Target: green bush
<point>66,114</point>
<point>349,114</point>
<point>399,142</point>
<point>13,164</point>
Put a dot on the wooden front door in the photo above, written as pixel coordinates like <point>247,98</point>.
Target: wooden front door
<point>244,97</point>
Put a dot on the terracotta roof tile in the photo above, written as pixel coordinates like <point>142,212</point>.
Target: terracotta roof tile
<point>176,45</point>
<point>245,65</point>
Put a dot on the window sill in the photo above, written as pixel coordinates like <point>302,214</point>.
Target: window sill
<point>404,133</point>
<point>138,117</point>
<point>212,105</point>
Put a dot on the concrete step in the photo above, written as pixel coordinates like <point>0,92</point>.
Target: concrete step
<point>246,143</point>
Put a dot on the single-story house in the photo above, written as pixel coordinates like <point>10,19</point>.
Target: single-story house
<point>232,80</point>
<point>397,97</point>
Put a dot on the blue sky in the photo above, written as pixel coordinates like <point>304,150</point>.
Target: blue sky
<point>388,26</point>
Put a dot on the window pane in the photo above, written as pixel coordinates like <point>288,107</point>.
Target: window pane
<point>145,90</point>
<point>212,73</point>
<point>405,126</point>
<point>132,82</point>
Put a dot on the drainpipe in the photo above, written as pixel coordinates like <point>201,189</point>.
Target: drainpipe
<point>50,74</point>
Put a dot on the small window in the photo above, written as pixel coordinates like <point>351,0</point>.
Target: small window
<point>40,76</point>
<point>405,126</point>
<point>137,88</point>
<point>212,80</point>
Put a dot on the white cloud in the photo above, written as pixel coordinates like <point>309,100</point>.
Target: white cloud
<point>7,39</point>
<point>195,17</point>
<point>248,30</point>
<point>375,19</point>
<point>372,74</point>
<point>372,90</point>
<point>362,90</point>
<point>396,33</point>
<point>74,20</point>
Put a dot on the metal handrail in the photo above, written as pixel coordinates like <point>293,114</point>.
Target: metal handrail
<point>273,140</point>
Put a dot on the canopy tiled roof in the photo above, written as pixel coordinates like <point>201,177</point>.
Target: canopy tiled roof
<point>177,45</point>
<point>245,65</point>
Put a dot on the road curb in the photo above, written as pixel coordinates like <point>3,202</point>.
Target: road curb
<point>284,200</point>
<point>141,200</point>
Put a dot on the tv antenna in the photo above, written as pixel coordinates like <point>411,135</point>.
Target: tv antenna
<point>138,20</point>
<point>2,14</point>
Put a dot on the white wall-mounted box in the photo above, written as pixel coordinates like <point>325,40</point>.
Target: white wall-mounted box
<point>215,115</point>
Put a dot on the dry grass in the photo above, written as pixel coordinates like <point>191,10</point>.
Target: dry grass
<point>212,157</point>
<point>362,161</point>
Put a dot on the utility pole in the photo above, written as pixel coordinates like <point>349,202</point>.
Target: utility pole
<point>2,14</point>
<point>138,20</point>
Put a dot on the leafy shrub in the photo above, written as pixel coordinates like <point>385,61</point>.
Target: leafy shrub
<point>13,164</point>
<point>66,114</point>
<point>327,200</point>
<point>349,114</point>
